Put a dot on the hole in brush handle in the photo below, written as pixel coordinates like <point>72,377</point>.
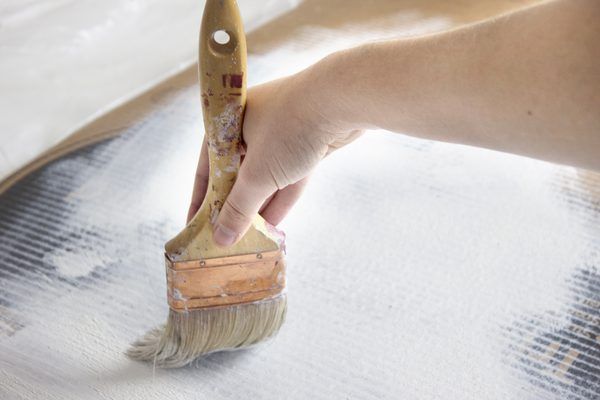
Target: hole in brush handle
<point>221,37</point>
<point>222,42</point>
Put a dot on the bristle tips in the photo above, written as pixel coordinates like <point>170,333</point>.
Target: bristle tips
<point>187,336</point>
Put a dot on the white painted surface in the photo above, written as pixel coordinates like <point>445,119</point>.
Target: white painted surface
<point>416,270</point>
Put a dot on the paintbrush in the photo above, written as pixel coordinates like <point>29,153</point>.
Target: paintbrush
<point>219,298</point>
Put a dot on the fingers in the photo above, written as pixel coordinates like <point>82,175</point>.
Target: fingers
<point>245,199</point>
<point>343,141</point>
<point>266,203</point>
<point>281,203</point>
<point>200,182</point>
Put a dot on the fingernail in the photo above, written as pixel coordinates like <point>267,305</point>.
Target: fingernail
<point>224,236</point>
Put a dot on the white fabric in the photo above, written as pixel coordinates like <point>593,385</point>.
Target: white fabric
<point>64,62</point>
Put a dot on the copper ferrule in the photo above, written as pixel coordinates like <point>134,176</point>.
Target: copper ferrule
<point>224,281</point>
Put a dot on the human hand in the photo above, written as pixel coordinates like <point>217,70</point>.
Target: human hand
<point>286,133</point>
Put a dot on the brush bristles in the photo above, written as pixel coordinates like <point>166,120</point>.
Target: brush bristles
<point>189,335</point>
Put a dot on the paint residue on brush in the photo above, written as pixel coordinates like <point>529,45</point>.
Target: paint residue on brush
<point>223,137</point>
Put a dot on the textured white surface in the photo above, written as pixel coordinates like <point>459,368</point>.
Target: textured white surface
<point>417,270</point>
<point>64,62</point>
<point>409,265</point>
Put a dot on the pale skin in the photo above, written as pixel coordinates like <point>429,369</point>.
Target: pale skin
<point>527,83</point>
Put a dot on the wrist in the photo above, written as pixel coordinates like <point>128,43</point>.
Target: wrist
<point>328,95</point>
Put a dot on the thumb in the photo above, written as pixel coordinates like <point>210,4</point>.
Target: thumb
<point>248,194</point>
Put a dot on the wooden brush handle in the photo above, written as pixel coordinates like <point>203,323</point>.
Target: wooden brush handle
<point>222,70</point>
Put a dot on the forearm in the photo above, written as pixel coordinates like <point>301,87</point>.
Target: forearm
<point>526,83</point>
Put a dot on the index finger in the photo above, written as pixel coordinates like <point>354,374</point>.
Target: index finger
<point>200,182</point>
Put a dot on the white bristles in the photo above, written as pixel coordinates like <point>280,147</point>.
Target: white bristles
<point>189,335</point>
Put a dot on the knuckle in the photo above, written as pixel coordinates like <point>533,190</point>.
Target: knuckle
<point>233,213</point>
<point>258,177</point>
<point>253,176</point>
<point>277,171</point>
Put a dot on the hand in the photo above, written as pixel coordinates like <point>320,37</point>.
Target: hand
<point>285,135</point>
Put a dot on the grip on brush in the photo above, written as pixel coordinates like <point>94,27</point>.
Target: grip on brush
<point>199,273</point>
